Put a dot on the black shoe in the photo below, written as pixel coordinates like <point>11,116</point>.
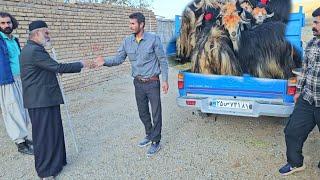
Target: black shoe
<point>49,178</point>
<point>29,143</point>
<point>24,148</point>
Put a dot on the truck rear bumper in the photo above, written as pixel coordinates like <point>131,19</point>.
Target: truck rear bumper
<point>248,108</point>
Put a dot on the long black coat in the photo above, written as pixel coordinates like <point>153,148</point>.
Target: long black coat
<point>38,75</point>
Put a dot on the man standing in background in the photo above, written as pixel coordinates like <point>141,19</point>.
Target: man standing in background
<point>15,116</point>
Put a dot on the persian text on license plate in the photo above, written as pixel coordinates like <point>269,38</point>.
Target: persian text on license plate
<point>231,104</point>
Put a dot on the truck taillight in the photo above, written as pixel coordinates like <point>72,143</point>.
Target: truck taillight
<point>292,86</point>
<point>291,90</point>
<point>180,84</point>
<point>180,81</point>
<point>191,102</point>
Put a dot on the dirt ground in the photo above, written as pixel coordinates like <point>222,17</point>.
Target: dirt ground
<point>108,128</point>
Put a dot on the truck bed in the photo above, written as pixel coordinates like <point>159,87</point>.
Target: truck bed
<point>240,95</point>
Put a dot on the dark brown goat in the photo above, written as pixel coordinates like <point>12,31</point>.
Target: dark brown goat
<point>262,51</point>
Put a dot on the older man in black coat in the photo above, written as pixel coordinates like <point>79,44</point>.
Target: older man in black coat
<point>42,97</point>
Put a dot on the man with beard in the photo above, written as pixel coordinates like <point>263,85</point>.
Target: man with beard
<point>42,96</point>
<point>15,116</point>
<point>306,114</point>
<point>147,60</point>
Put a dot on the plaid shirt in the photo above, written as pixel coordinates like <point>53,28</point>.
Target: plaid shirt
<point>309,84</point>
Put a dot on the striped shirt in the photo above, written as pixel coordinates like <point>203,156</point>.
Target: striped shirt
<point>309,84</point>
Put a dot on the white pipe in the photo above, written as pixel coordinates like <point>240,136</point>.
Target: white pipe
<point>66,104</point>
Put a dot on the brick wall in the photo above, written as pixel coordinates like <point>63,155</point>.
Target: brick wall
<point>79,31</point>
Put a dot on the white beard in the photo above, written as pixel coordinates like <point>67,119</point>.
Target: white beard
<point>47,44</point>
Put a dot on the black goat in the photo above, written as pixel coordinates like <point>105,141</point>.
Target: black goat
<point>264,52</point>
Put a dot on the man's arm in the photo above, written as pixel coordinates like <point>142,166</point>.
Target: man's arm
<point>117,59</point>
<point>163,64</point>
<point>43,60</point>
<point>162,59</point>
<point>302,80</point>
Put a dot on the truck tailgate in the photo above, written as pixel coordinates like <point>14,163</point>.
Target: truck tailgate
<point>238,86</point>
<point>235,95</point>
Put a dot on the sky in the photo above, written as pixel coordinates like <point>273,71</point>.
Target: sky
<point>170,8</point>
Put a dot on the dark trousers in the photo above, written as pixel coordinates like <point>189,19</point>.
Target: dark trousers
<point>302,121</point>
<point>48,140</point>
<point>149,92</point>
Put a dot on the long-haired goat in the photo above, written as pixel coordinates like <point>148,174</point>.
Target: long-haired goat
<point>186,40</point>
<point>281,10</point>
<point>262,51</point>
<point>215,55</point>
<point>193,22</point>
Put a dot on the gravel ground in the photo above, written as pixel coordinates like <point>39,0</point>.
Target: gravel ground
<point>108,128</point>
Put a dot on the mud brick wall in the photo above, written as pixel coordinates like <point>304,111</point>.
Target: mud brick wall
<point>79,31</point>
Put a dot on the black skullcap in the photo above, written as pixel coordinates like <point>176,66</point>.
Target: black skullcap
<point>316,12</point>
<point>37,24</point>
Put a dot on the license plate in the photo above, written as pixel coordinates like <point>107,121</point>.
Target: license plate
<point>231,104</point>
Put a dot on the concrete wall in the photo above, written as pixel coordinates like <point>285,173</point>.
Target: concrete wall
<point>79,31</point>
<point>165,30</point>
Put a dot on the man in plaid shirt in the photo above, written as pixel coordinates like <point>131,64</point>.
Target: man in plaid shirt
<point>306,114</point>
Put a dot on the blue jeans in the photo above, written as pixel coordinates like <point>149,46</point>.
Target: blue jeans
<point>149,92</point>
<point>304,118</point>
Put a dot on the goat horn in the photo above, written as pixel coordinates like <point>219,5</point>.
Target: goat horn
<point>245,22</point>
<point>270,15</point>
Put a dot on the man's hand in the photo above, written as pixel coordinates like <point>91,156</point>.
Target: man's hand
<point>99,61</point>
<point>165,87</point>
<point>295,98</point>
<point>88,64</point>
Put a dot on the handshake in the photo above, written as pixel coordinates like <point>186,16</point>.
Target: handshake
<point>98,62</point>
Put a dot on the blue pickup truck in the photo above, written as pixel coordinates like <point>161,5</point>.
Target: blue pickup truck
<point>240,95</point>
